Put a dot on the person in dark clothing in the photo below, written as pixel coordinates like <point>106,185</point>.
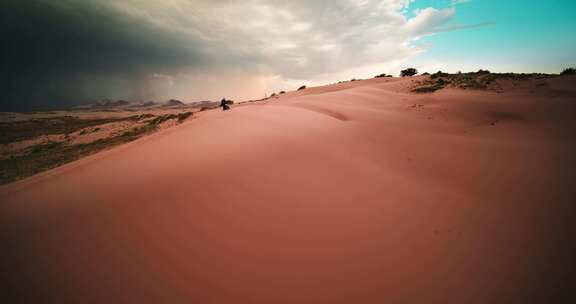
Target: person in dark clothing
<point>225,104</point>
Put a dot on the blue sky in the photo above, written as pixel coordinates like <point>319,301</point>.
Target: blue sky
<point>513,35</point>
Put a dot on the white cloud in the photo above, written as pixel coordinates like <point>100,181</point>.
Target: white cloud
<point>292,41</point>
<point>429,20</point>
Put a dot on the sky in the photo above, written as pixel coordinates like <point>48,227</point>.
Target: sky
<point>58,53</point>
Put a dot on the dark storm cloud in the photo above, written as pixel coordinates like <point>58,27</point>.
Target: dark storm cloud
<point>57,53</point>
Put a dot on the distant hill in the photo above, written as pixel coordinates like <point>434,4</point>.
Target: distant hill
<point>121,105</point>
<point>172,103</point>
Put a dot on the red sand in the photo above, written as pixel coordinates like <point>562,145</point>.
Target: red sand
<point>352,193</point>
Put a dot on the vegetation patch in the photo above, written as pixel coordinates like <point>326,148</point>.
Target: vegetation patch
<point>21,130</point>
<point>430,88</point>
<point>45,156</point>
<point>569,71</point>
<point>409,72</point>
<point>161,119</point>
<point>183,116</point>
<point>480,80</point>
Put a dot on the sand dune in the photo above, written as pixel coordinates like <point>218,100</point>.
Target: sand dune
<point>359,192</point>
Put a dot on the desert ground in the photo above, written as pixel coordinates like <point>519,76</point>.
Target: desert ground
<point>387,190</point>
<point>34,142</point>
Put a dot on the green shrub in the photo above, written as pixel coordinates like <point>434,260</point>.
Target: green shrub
<point>431,88</point>
<point>45,147</point>
<point>160,119</point>
<point>439,74</point>
<point>409,72</point>
<point>569,71</point>
<point>183,116</point>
